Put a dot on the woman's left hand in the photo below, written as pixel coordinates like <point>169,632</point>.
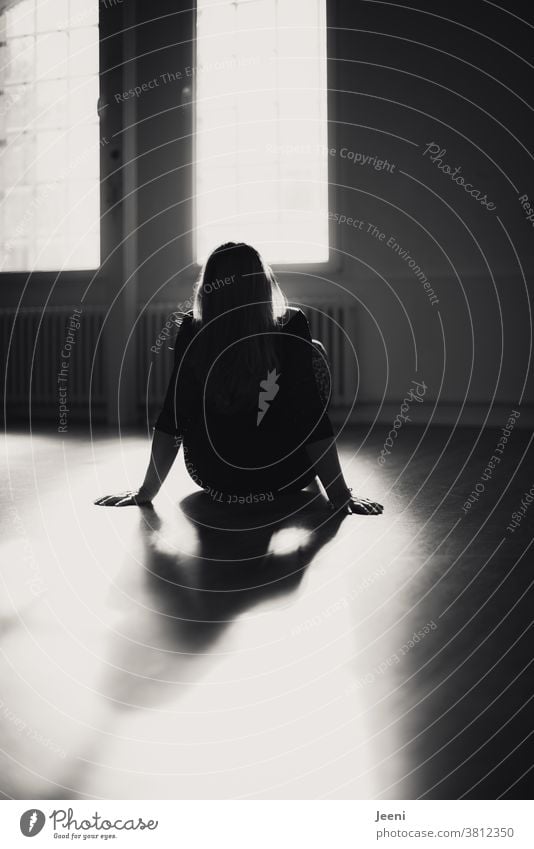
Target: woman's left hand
<point>130,498</point>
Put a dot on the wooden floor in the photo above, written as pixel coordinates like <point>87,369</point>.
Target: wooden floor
<point>195,651</point>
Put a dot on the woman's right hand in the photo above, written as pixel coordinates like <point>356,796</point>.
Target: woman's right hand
<point>349,503</point>
<point>131,498</point>
<point>363,506</point>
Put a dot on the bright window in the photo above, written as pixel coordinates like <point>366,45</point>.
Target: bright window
<point>261,127</point>
<point>49,136</point>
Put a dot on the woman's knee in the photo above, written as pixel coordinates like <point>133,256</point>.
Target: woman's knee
<point>321,370</point>
<point>318,346</point>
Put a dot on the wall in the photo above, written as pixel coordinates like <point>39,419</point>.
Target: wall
<point>406,79</point>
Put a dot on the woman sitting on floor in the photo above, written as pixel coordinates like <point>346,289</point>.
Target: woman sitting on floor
<point>248,395</point>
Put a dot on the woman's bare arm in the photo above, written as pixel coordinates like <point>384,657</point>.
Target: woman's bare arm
<point>324,458</point>
<point>163,453</point>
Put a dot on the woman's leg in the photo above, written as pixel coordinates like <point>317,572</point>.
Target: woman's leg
<point>321,370</point>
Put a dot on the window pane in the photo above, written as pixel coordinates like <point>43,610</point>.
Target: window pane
<point>18,157</point>
<point>19,64</point>
<point>83,99</point>
<point>82,13</point>
<point>20,18</point>
<point>83,153</point>
<point>261,93</point>
<point>52,15</point>
<point>49,136</point>
<point>48,198</point>
<point>51,55</point>
<point>51,103</point>
<point>18,107</point>
<point>83,51</point>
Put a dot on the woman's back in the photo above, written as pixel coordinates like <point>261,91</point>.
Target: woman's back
<point>260,435</point>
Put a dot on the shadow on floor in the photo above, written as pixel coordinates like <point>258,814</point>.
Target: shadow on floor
<point>177,607</point>
<point>235,565</point>
<point>185,597</point>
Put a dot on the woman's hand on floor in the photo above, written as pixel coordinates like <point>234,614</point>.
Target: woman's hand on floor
<point>131,498</point>
<point>354,504</point>
<point>364,507</point>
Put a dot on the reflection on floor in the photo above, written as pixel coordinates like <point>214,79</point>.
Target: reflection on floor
<point>199,651</point>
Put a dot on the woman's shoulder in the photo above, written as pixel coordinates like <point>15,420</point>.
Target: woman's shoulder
<point>292,315</point>
<point>182,317</point>
<point>184,322</point>
<point>294,320</point>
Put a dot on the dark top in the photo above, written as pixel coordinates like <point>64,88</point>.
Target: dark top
<point>261,449</point>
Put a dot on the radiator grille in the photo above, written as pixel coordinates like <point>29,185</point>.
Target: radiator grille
<point>33,340</point>
<point>332,323</point>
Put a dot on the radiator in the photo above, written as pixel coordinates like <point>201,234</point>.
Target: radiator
<point>33,340</point>
<point>332,323</point>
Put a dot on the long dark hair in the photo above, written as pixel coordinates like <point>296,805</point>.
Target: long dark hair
<point>237,305</point>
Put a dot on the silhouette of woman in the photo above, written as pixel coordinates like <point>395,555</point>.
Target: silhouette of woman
<point>248,395</point>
